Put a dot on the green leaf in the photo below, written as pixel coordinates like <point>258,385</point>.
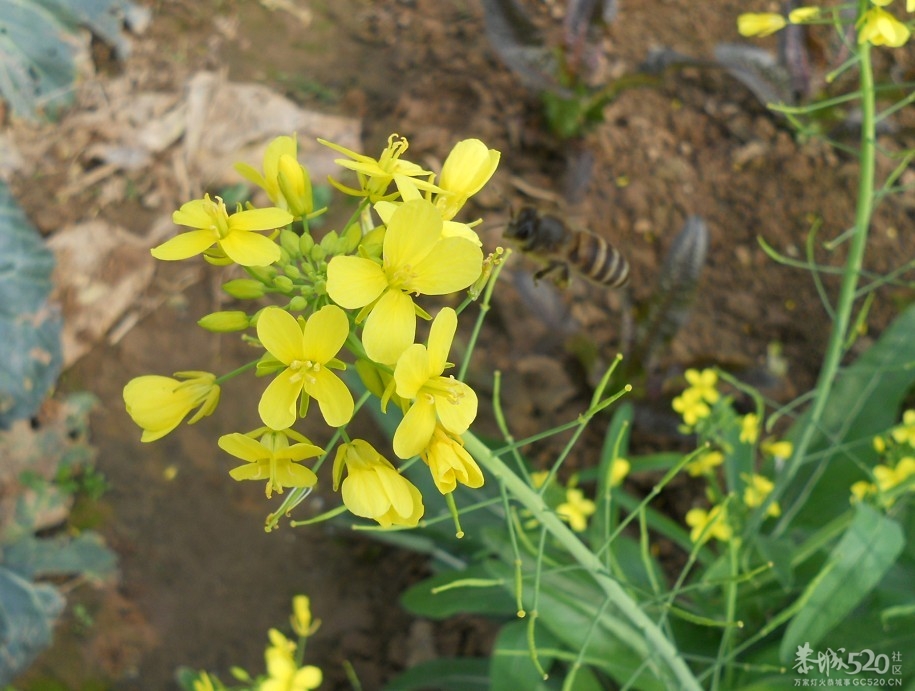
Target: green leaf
<point>29,328</point>
<point>27,614</point>
<point>475,597</point>
<point>85,554</point>
<point>39,45</point>
<point>855,566</point>
<point>450,674</point>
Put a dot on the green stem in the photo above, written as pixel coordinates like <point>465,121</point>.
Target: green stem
<point>675,670</point>
<point>836,347</point>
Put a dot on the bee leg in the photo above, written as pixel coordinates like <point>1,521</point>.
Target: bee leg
<point>560,271</point>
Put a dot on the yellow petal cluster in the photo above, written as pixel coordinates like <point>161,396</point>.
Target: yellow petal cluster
<point>436,399</point>
<point>308,353</point>
<point>576,509</point>
<point>416,259</point>
<point>158,404</point>
<point>233,234</point>
<point>760,24</point>
<point>271,458</point>
<point>373,488</point>
<point>285,180</point>
<point>450,463</point>
<point>880,28</point>
<point>709,524</point>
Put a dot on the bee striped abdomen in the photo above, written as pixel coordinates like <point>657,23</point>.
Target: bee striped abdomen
<point>598,260</point>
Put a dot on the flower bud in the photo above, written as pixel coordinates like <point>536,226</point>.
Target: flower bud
<point>295,186</point>
<point>283,284</point>
<point>306,242</point>
<point>298,304</point>
<point>292,271</point>
<point>289,241</point>
<point>245,288</point>
<point>225,322</point>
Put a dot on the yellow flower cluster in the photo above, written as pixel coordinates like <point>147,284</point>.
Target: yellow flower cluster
<point>355,291</point>
<point>896,475</point>
<point>875,25</point>
<point>283,658</point>
<point>693,403</point>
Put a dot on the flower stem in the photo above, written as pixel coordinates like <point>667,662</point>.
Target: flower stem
<point>674,673</point>
<point>847,293</point>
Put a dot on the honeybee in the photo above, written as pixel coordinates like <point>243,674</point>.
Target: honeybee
<point>550,240</point>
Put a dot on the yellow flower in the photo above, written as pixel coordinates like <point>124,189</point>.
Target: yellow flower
<point>158,404</point>
<point>301,617</point>
<point>308,353</point>
<point>708,524</point>
<point>232,234</point>
<point>203,683</point>
<point>619,469</point>
<point>862,489</point>
<point>538,478</point>
<point>418,377</point>
<point>271,458</point>
<point>705,463</point>
<point>905,432</point>
<point>285,180</point>
<point>282,671</point>
<point>375,176</point>
<point>803,14</point>
<point>749,428</point>
<point>416,259</point>
<point>703,383</point>
<point>764,24</point>
<point>886,477</point>
<point>777,449</point>
<point>905,468</point>
<point>880,28</point>
<point>450,463</point>
<point>576,509</point>
<point>374,489</point>
<point>468,167</point>
<point>691,406</point>
<point>758,488</point>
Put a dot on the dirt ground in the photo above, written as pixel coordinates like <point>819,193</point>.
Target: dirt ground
<point>200,580</point>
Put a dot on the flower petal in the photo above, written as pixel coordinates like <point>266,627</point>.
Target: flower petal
<point>334,399</point>
<point>260,219</point>
<point>244,447</point>
<point>397,489</point>
<point>195,214</point>
<point>354,282</point>
<point>440,337</point>
<point>277,405</point>
<point>184,245</point>
<point>362,495</point>
<point>250,249</point>
<point>289,474</point>
<point>412,371</point>
<point>324,333</point>
<point>390,328</point>
<point>281,335</point>
<point>456,417</point>
<point>251,471</point>
<point>453,265</point>
<point>415,430</point>
<point>413,231</point>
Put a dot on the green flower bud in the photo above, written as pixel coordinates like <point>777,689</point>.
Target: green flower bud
<point>264,274</point>
<point>245,289</point>
<point>289,241</point>
<point>298,304</point>
<point>225,322</point>
<point>306,242</point>
<point>372,243</point>
<point>283,284</point>
<point>292,271</point>
<point>318,254</point>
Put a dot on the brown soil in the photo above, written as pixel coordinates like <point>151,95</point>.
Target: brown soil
<point>200,580</point>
